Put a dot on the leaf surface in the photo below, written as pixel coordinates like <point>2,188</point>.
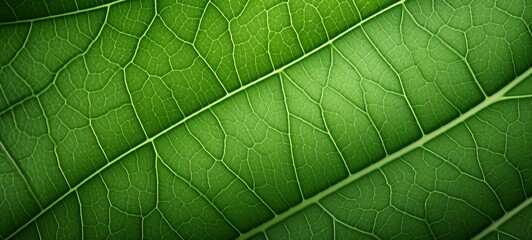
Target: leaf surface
<point>266,119</point>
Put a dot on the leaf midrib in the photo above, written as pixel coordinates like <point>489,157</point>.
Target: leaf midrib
<point>29,20</point>
<point>501,221</point>
<point>209,106</point>
<point>496,97</point>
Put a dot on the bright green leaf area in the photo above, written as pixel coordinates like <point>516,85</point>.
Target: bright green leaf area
<point>314,119</point>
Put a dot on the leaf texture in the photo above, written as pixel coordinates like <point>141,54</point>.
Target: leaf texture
<point>266,119</point>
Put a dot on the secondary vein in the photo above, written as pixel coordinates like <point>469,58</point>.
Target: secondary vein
<point>208,107</point>
<point>498,96</point>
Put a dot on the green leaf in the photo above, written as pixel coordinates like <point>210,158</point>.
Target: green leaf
<point>266,119</point>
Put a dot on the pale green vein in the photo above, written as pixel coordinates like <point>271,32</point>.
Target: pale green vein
<point>335,219</point>
<point>507,216</point>
<point>26,39</point>
<point>200,193</point>
<point>379,164</point>
<point>60,70</point>
<point>19,171</point>
<point>403,92</point>
<point>516,97</point>
<point>288,122</point>
<point>207,107</point>
<point>62,14</point>
<point>204,148</point>
<point>453,50</point>
<point>327,132</point>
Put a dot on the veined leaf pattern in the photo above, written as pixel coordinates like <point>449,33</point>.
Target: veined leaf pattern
<point>266,119</point>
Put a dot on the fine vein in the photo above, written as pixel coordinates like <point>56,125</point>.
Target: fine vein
<point>209,106</point>
<point>498,96</point>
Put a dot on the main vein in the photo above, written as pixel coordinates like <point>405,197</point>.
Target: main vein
<point>209,106</point>
<point>377,165</point>
<point>507,216</point>
<point>62,14</point>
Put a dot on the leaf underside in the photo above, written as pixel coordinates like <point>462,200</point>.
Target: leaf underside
<point>266,119</point>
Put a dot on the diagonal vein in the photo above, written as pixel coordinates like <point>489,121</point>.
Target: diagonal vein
<point>498,96</point>
<point>61,14</point>
<point>207,107</point>
<point>19,171</point>
<point>501,221</point>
